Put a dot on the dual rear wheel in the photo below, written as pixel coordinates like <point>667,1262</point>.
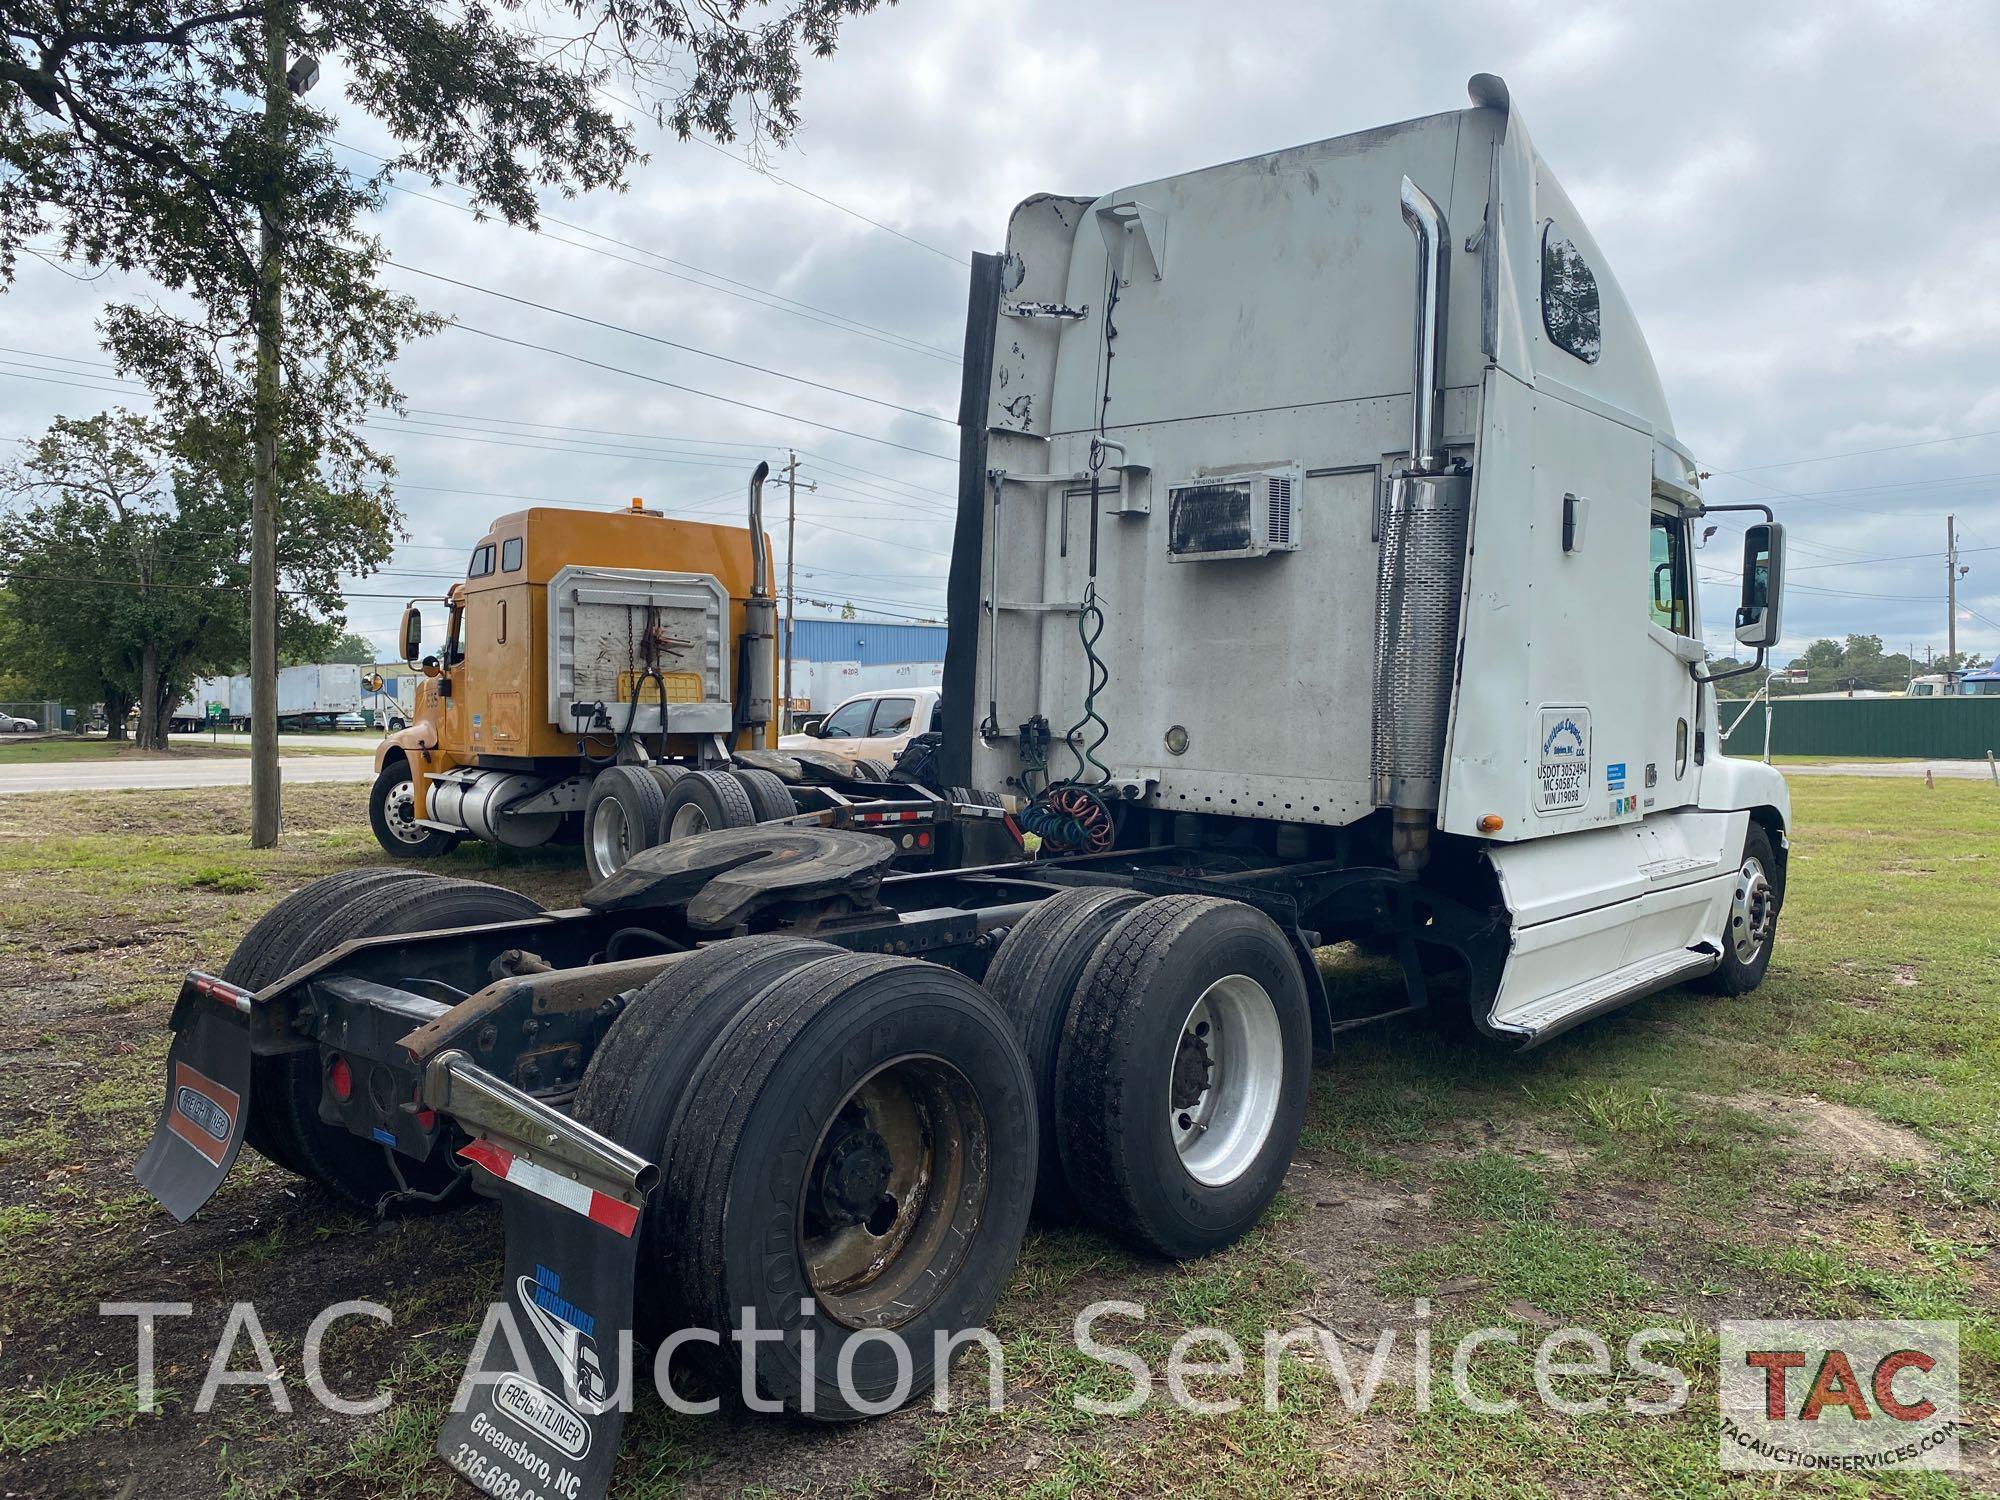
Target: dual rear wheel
<point>631,808</point>
<point>847,1153</point>
<point>1172,1043</point>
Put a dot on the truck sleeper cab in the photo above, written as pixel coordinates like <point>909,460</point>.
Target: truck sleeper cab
<point>1380,568</point>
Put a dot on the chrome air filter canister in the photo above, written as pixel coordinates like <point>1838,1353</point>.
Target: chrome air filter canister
<point>1416,632</point>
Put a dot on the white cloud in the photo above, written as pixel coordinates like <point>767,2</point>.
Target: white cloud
<point>1798,203</point>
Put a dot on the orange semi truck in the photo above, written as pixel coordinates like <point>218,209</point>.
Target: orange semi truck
<point>602,673</point>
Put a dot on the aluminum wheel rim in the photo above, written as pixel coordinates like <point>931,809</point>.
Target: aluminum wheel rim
<point>688,819</point>
<point>1751,911</point>
<point>890,1258</point>
<point>609,841</point>
<point>399,812</point>
<point>1227,1075</point>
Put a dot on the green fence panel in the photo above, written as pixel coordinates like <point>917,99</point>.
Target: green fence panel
<point>1916,728</point>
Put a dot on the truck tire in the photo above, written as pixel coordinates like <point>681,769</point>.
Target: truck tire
<point>768,798</point>
<point>624,813</point>
<point>1182,1075</point>
<point>870,770</point>
<point>667,776</point>
<point>638,1080</point>
<point>703,800</point>
<point>1033,978</point>
<point>284,1124</point>
<point>392,812</point>
<point>863,1137</point>
<point>1754,905</point>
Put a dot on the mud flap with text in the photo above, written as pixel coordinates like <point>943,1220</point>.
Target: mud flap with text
<point>553,1376</point>
<point>206,1111</point>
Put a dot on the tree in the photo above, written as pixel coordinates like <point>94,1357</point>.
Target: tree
<point>126,568</point>
<point>349,647</point>
<point>124,136</point>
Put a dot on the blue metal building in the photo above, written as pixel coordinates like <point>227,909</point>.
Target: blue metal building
<point>872,643</point>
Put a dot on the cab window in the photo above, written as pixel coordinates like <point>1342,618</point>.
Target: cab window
<point>510,555</point>
<point>848,722</point>
<point>1668,596</point>
<point>893,715</point>
<point>1571,312</point>
<point>453,653</point>
<point>482,561</point>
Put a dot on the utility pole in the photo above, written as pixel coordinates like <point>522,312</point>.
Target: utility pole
<point>791,540</point>
<point>268,316</point>
<point>1951,586</point>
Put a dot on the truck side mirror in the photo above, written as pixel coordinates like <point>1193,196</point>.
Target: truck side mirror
<point>412,632</point>
<point>1757,617</point>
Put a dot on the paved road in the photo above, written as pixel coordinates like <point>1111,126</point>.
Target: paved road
<point>361,742</point>
<point>1957,770</point>
<point>157,775</point>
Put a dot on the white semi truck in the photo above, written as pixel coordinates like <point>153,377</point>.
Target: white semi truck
<point>1321,572</point>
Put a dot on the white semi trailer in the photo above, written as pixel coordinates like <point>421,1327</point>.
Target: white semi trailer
<point>1321,572</point>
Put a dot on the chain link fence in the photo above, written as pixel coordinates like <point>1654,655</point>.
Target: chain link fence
<point>38,717</point>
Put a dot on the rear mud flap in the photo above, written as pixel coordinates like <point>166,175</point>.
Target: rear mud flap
<point>207,1107</point>
<point>548,1408</point>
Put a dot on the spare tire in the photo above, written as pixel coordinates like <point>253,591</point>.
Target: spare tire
<point>870,770</point>
<point>1033,978</point>
<point>284,1124</point>
<point>702,800</point>
<point>857,1156</point>
<point>624,813</point>
<point>768,798</point>
<point>1182,1075</point>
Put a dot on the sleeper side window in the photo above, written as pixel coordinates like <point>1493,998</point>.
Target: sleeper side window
<point>482,561</point>
<point>1668,593</point>
<point>510,555</point>
<point>1570,310</point>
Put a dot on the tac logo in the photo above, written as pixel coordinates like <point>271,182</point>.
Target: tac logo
<point>1847,1396</point>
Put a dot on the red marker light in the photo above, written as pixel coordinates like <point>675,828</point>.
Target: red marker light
<point>426,1118</point>
<point>340,1078</point>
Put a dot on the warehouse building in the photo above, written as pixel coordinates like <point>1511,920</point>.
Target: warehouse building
<point>834,659</point>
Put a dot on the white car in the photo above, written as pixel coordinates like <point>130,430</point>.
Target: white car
<point>871,726</point>
<point>13,724</point>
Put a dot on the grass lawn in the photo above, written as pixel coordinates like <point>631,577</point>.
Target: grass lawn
<point>1828,1146</point>
<point>62,750</point>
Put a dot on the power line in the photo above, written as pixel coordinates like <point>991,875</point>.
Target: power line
<point>648,437</point>
<point>853,213</point>
<point>596,364</point>
<point>742,290</point>
<point>1821,458</point>
<point>653,338</point>
<point>593,363</point>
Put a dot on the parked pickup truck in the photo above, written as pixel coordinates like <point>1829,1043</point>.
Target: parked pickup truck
<point>871,726</point>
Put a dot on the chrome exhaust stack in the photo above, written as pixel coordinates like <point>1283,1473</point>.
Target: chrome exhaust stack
<point>1426,221</point>
<point>760,618</point>
<point>1424,519</point>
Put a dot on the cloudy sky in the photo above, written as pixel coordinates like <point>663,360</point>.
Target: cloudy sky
<point>1797,198</point>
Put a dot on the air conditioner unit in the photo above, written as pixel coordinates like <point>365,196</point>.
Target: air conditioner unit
<point>1249,514</point>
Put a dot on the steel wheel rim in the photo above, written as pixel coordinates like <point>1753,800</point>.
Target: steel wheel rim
<point>399,814</point>
<point>1224,1085</point>
<point>1752,911</point>
<point>880,1264</point>
<point>609,843</point>
<point>689,819</point>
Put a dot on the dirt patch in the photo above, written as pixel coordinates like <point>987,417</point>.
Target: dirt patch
<point>1838,1130</point>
